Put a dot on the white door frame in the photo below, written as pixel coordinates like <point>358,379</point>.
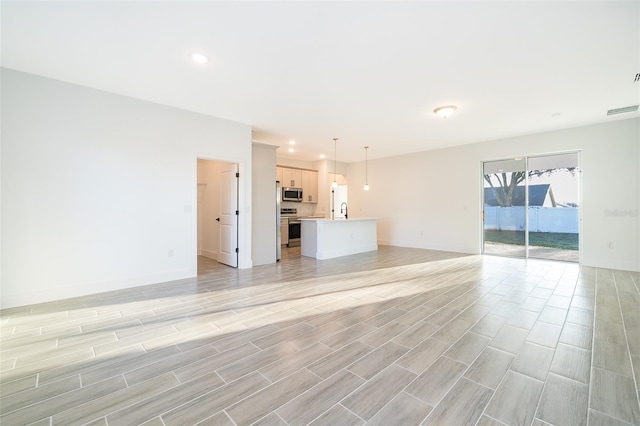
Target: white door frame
<point>244,207</point>
<point>526,162</point>
<point>228,215</point>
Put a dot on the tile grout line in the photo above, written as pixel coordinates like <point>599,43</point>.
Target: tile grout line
<point>593,343</point>
<point>463,373</point>
<point>321,414</point>
<point>492,418</point>
<point>546,379</point>
<point>613,417</point>
<point>626,340</point>
<point>453,301</point>
<point>355,414</point>
<point>494,391</point>
<point>226,414</point>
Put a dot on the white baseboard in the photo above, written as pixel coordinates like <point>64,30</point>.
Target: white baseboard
<point>90,288</point>
<point>209,254</point>
<point>621,265</point>
<point>428,246</point>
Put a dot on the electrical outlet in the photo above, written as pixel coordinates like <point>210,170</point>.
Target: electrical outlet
<point>170,252</point>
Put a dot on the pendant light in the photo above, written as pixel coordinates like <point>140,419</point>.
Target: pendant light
<point>366,168</point>
<point>335,162</point>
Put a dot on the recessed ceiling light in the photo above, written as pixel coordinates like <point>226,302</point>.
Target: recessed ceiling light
<point>322,155</point>
<point>445,111</point>
<point>290,149</point>
<point>199,58</point>
<point>292,142</point>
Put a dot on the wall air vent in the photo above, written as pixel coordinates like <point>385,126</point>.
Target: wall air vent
<point>615,111</point>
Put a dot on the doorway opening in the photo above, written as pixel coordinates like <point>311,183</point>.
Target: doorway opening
<point>338,196</point>
<point>339,201</point>
<point>531,207</point>
<point>217,223</point>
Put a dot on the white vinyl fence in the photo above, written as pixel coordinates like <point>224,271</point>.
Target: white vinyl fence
<point>541,219</point>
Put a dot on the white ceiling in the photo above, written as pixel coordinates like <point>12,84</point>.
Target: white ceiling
<point>369,73</point>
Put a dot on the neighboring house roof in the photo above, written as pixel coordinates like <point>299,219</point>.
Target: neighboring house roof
<point>537,195</point>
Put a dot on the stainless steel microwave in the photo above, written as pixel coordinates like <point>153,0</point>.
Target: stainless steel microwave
<point>292,194</point>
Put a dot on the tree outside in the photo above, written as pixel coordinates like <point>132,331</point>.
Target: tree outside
<point>507,190</point>
<point>503,185</point>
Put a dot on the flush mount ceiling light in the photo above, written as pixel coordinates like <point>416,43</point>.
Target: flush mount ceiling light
<point>292,142</point>
<point>290,149</point>
<point>445,111</point>
<point>199,58</point>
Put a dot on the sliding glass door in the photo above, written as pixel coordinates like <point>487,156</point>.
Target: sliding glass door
<point>531,207</point>
<point>553,210</point>
<point>504,207</point>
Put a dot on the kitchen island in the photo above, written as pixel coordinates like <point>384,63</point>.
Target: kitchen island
<point>326,238</point>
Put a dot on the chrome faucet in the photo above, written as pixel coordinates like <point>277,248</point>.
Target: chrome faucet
<point>343,209</point>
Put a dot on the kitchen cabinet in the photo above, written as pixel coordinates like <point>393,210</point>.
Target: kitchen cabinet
<point>325,238</point>
<point>309,179</point>
<point>279,176</point>
<point>291,177</point>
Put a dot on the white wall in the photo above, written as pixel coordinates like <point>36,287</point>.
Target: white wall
<point>431,199</point>
<point>264,204</point>
<point>292,162</point>
<point>98,188</point>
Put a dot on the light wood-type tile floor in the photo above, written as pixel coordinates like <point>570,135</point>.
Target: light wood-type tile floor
<point>395,337</point>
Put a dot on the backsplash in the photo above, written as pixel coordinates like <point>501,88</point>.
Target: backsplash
<point>304,209</point>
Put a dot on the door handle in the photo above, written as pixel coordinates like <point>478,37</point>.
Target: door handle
<point>218,219</point>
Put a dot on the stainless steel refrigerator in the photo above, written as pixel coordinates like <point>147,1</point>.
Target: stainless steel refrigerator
<point>278,235</point>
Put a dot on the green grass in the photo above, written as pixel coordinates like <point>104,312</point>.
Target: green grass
<point>554,240</point>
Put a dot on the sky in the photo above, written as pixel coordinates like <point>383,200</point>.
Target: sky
<point>565,186</point>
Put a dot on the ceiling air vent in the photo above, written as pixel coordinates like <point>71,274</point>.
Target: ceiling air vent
<point>615,111</point>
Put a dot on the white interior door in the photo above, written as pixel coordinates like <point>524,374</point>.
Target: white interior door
<point>228,251</point>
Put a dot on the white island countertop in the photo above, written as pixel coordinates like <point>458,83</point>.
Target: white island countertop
<point>324,238</point>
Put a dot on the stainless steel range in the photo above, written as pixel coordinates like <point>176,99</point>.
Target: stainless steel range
<point>291,214</point>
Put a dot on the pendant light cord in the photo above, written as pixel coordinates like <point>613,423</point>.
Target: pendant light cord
<point>335,158</point>
<point>366,165</point>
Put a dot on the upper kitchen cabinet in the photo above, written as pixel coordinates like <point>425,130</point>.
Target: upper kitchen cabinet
<point>279,176</point>
<point>309,186</point>
<point>291,178</point>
